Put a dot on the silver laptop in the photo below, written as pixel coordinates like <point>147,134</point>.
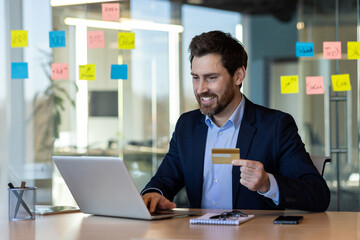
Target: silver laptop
<point>103,186</point>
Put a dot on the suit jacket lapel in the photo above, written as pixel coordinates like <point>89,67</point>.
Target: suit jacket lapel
<point>200,134</point>
<point>246,134</point>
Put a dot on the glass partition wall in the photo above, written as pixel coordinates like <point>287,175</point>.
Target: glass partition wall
<point>132,118</point>
<point>328,122</point>
<point>332,119</point>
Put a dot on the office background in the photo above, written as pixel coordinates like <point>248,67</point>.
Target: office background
<point>134,118</point>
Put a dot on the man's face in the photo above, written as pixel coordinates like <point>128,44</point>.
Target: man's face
<point>213,86</point>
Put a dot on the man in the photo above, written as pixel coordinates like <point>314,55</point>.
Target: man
<point>274,172</point>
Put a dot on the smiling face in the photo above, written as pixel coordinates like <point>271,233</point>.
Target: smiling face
<point>216,91</point>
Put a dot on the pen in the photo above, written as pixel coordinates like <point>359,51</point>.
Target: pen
<point>20,199</point>
<point>18,202</point>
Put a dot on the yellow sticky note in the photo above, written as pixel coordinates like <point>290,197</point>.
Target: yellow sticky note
<point>289,84</point>
<point>87,72</point>
<point>341,82</point>
<point>19,38</point>
<point>353,50</point>
<point>126,40</point>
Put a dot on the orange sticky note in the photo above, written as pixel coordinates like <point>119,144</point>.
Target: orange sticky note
<point>332,50</point>
<point>353,50</point>
<point>341,82</point>
<point>126,40</point>
<point>315,85</point>
<point>87,72</point>
<point>96,39</point>
<point>289,84</point>
<point>59,71</point>
<point>110,11</point>
<point>19,38</point>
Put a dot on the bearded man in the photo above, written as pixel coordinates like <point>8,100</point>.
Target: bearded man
<point>274,172</point>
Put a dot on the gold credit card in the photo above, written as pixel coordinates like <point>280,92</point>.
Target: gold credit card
<point>225,155</point>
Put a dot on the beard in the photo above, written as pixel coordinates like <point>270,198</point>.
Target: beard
<point>221,103</point>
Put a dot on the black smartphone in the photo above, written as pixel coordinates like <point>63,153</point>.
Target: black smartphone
<point>288,219</point>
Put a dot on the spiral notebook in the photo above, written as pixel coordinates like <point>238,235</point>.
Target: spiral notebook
<point>205,219</point>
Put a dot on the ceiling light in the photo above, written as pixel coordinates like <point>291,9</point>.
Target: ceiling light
<point>300,25</point>
<point>125,24</point>
<point>198,2</point>
<point>55,3</point>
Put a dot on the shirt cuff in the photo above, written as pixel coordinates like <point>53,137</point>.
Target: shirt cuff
<point>151,190</point>
<point>273,192</point>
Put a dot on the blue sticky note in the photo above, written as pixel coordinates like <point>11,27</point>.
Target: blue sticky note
<point>119,71</point>
<point>304,49</point>
<point>57,39</point>
<point>19,70</point>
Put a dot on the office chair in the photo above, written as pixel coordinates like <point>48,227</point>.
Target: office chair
<point>319,162</point>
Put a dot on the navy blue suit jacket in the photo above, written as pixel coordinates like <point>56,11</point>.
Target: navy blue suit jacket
<point>266,135</point>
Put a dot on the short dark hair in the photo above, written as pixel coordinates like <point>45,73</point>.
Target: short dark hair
<point>231,51</point>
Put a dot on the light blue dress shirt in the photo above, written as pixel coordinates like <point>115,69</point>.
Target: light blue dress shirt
<point>217,185</point>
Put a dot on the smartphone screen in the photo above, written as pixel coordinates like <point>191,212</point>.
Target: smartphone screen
<point>288,219</point>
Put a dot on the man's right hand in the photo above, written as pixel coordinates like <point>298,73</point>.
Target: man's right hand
<point>155,201</point>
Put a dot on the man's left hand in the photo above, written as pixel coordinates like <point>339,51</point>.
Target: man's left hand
<point>253,175</point>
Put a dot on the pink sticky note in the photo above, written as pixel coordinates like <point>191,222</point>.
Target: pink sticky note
<point>315,85</point>
<point>59,71</point>
<point>110,11</point>
<point>96,39</point>
<point>332,50</point>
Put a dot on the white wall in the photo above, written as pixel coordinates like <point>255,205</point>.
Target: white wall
<point>4,73</point>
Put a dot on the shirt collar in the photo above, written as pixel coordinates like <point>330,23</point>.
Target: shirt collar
<point>235,118</point>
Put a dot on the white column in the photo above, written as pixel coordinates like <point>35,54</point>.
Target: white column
<point>174,80</point>
<point>82,110</point>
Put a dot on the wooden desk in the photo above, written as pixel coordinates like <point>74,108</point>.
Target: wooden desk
<point>327,225</point>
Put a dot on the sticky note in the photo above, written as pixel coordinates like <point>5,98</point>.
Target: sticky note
<point>224,155</point>
<point>110,11</point>
<point>87,72</point>
<point>332,50</point>
<point>289,84</point>
<point>353,50</point>
<point>341,82</point>
<point>119,71</point>
<point>96,39</point>
<point>126,40</point>
<point>315,85</point>
<point>304,49</point>
<point>19,70</point>
<point>57,39</point>
<point>19,38</point>
<point>59,71</point>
